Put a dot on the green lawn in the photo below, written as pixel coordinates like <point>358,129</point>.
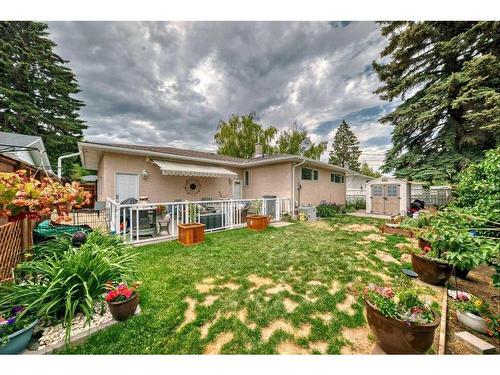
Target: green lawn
<point>294,289</point>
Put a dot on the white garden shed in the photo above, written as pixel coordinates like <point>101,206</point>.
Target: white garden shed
<point>388,196</point>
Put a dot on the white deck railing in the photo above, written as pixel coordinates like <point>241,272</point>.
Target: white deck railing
<point>142,222</point>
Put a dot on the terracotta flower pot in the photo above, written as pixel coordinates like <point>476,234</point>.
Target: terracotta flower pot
<point>472,321</point>
<point>431,271</point>
<point>121,311</point>
<point>257,222</point>
<point>395,336</point>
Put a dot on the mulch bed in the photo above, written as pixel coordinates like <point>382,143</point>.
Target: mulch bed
<point>478,283</point>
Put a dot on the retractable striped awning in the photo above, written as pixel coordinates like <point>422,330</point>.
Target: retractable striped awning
<point>184,169</point>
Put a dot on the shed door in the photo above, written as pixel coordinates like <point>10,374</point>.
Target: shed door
<point>392,199</point>
<point>127,186</point>
<point>385,199</point>
<point>377,199</point>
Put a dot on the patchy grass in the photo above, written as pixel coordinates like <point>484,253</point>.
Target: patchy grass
<point>294,289</point>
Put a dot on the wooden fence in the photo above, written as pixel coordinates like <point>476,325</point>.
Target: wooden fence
<point>15,237</point>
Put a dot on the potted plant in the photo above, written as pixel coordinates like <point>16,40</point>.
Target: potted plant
<point>122,300</point>
<point>475,314</point>
<point>400,321</point>
<point>16,330</point>
<point>191,233</point>
<point>256,221</point>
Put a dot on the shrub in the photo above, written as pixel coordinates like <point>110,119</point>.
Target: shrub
<point>356,204</point>
<point>329,209</point>
<point>479,186</point>
<point>63,280</point>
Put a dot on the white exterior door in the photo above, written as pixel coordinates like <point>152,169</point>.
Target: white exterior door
<point>127,186</point>
<point>236,189</point>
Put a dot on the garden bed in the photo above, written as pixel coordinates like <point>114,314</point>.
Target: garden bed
<point>50,339</point>
<point>478,283</point>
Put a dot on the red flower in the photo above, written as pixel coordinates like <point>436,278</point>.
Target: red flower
<point>427,248</point>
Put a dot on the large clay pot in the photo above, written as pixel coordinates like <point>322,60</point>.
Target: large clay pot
<point>395,336</point>
<point>191,234</point>
<point>472,321</point>
<point>257,222</point>
<point>18,340</point>
<point>431,271</point>
<point>121,311</point>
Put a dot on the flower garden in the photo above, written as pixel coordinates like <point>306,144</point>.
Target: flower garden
<point>335,286</point>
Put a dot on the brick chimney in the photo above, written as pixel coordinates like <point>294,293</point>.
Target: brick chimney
<point>258,150</point>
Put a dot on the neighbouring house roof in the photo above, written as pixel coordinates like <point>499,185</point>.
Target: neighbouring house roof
<point>27,149</point>
<point>184,169</point>
<point>89,178</point>
<point>90,154</point>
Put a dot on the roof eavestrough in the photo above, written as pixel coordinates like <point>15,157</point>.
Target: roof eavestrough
<point>194,170</point>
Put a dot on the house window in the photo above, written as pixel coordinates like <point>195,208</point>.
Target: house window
<point>246,178</point>
<point>337,178</point>
<point>310,174</point>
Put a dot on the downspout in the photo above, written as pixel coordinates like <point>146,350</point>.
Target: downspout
<point>293,186</point>
<point>59,162</point>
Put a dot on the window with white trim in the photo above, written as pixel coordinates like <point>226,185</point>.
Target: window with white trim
<point>309,174</point>
<point>337,178</point>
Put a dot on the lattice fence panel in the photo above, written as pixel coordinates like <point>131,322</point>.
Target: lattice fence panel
<point>11,248</point>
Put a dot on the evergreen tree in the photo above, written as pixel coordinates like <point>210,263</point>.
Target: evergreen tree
<point>238,136</point>
<point>37,89</point>
<point>368,171</point>
<point>447,74</point>
<point>345,148</point>
<point>289,143</point>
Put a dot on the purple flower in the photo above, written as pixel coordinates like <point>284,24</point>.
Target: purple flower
<point>17,309</point>
<point>11,320</point>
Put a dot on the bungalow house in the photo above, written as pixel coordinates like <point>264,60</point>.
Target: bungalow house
<point>21,151</point>
<point>356,184</point>
<point>166,174</point>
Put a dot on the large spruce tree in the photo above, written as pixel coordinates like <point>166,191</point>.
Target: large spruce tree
<point>448,77</point>
<point>345,148</point>
<point>37,89</point>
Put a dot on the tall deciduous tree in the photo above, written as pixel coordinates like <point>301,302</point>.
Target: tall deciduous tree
<point>289,143</point>
<point>345,148</point>
<point>37,89</point>
<point>368,171</point>
<point>447,74</point>
<point>238,136</point>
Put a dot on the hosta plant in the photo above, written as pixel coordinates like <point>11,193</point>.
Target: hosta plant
<point>63,280</point>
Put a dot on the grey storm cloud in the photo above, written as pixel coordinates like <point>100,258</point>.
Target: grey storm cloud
<point>170,83</point>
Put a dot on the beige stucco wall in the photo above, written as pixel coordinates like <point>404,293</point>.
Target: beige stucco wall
<point>313,192</point>
<point>157,187</point>
<point>272,179</point>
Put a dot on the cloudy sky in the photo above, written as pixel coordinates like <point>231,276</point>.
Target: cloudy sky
<point>171,83</point>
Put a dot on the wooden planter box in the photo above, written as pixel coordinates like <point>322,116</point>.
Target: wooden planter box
<point>257,222</point>
<point>191,234</point>
<point>398,231</point>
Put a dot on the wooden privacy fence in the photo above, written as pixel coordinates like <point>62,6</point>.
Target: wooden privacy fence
<point>15,238</point>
